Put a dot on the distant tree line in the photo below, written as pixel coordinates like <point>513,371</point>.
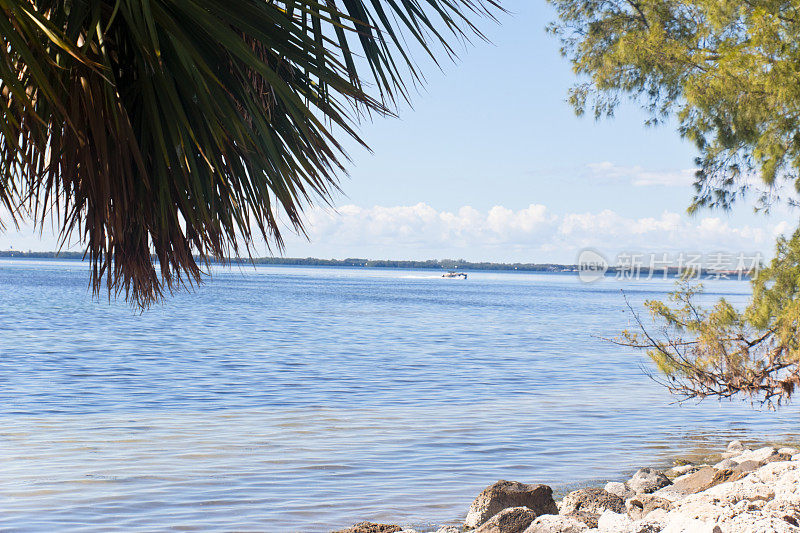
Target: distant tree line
<point>41,255</point>
<point>436,264</point>
<point>622,272</point>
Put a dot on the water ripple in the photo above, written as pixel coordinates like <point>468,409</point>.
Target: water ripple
<point>288,399</point>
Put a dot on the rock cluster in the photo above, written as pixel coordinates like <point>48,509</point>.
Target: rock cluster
<point>371,527</point>
<point>747,491</point>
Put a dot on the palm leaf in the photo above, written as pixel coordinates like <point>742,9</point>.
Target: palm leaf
<point>183,129</point>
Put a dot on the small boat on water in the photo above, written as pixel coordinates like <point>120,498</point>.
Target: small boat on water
<point>461,275</point>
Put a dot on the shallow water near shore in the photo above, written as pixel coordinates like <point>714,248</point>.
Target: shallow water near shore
<point>306,399</point>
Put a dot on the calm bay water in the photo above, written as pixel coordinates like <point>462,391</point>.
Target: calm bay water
<point>306,399</point>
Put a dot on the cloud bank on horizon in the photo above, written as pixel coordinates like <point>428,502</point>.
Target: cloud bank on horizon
<point>532,234</point>
<point>499,234</point>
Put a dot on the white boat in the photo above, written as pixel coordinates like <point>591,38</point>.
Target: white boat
<point>461,275</point>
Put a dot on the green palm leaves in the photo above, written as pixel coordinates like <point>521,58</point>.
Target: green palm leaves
<point>186,128</point>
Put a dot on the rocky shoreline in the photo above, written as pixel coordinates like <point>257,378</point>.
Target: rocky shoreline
<point>748,491</point>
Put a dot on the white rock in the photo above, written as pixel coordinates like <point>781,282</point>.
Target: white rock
<point>747,522</point>
<point>550,523</point>
<point>789,451</point>
<point>784,475</point>
<point>448,529</point>
<point>684,524</point>
<point>611,521</point>
<point>618,489</point>
<point>758,455</point>
<point>657,515</point>
<point>744,489</point>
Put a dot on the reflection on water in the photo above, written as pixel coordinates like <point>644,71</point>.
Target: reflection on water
<point>286,399</point>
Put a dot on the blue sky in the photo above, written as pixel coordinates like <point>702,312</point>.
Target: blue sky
<point>492,164</point>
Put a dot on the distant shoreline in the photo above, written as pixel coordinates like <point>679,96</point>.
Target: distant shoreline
<point>430,264</point>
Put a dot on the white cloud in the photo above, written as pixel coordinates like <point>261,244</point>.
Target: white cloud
<point>641,177</point>
<point>532,234</point>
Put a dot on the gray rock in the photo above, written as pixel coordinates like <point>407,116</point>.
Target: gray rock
<point>777,456</point>
<point>619,489</point>
<point>550,523</point>
<point>505,494</point>
<point>510,520</point>
<point>725,463</point>
<point>745,467</point>
<point>591,500</point>
<point>736,446</point>
<point>647,480</point>
<point>642,504</point>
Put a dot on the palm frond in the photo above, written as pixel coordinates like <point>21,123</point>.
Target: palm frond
<point>182,129</point>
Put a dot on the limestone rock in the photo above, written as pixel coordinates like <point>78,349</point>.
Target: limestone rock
<point>685,476</point>
<point>701,480</point>
<point>725,463</point>
<point>777,456</point>
<point>549,523</point>
<point>759,455</point>
<point>685,524</point>
<point>619,489</point>
<point>647,480</point>
<point>448,529</point>
<point>592,500</point>
<point>510,520</point>
<point>788,450</point>
<point>745,467</point>
<point>619,523</point>
<point>735,446</point>
<point>642,505</point>
<point>681,470</point>
<point>371,527</point>
<point>611,521</point>
<point>505,494</point>
<point>585,517</point>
